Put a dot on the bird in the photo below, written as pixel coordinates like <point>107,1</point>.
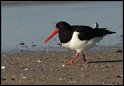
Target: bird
<point>78,37</point>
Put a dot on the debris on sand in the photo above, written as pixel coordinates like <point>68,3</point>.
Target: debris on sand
<point>119,76</point>
<point>22,43</point>
<point>118,51</point>
<point>22,75</point>
<point>63,65</point>
<point>2,67</point>
<point>46,67</point>
<point>26,69</point>
<point>3,78</point>
<point>33,45</point>
<point>39,61</point>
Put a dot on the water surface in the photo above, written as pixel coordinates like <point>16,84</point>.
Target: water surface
<point>31,24</point>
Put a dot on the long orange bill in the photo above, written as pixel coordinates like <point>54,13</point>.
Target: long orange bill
<point>51,35</point>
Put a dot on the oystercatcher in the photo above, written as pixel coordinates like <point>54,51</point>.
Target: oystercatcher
<point>78,37</point>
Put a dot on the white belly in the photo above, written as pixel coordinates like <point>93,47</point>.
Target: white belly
<point>76,44</point>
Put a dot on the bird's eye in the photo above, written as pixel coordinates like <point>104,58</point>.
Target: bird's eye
<point>60,25</point>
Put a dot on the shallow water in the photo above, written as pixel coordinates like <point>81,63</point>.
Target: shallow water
<point>31,24</point>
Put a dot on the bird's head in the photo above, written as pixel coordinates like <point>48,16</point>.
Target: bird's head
<point>60,26</point>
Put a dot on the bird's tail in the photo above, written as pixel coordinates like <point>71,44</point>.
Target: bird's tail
<point>110,32</point>
<point>103,31</point>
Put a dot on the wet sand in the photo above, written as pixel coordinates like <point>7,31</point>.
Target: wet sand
<point>27,68</point>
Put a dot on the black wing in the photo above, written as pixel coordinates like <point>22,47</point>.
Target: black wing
<point>87,33</point>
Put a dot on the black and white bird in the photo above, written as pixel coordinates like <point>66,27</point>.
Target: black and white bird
<point>78,37</point>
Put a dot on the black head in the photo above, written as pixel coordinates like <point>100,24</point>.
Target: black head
<point>63,26</point>
<point>60,27</point>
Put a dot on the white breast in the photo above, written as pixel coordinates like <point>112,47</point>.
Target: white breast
<point>76,44</point>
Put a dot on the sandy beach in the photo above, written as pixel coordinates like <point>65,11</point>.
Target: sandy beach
<point>27,68</point>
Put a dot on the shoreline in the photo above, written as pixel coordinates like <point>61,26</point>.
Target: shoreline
<point>61,49</point>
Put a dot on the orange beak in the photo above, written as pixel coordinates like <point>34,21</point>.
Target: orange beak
<point>51,35</point>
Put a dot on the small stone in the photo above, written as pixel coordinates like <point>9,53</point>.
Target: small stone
<point>51,69</point>
<point>34,45</point>
<point>81,68</point>
<point>12,78</point>
<point>118,51</point>
<point>71,77</point>
<point>21,74</point>
<point>39,61</point>
<point>2,67</point>
<point>22,43</point>
<point>120,76</point>
<point>82,75</point>
<point>60,79</point>
<point>23,77</point>
<point>63,65</point>
<point>26,69</point>
<point>98,58</point>
<point>3,78</point>
<point>108,83</point>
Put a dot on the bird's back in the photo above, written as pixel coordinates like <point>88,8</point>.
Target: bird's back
<point>87,33</point>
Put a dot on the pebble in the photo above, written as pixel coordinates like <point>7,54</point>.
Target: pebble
<point>118,51</point>
<point>60,79</point>
<point>82,68</point>
<point>33,45</point>
<point>82,75</point>
<point>51,69</point>
<point>2,67</point>
<point>12,78</point>
<point>63,65</point>
<point>120,76</point>
<point>22,43</point>
<point>26,69</point>
<point>99,58</point>
<point>39,61</point>
<point>110,83</point>
<point>3,78</point>
<point>22,75</point>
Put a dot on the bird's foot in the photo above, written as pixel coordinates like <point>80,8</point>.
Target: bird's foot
<point>69,62</point>
<point>84,61</point>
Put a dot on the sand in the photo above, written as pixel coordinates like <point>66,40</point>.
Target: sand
<point>50,68</point>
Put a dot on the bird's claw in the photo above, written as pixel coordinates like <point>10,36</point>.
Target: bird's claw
<point>69,62</point>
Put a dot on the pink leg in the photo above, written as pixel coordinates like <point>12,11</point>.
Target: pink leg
<point>84,60</point>
<point>71,61</point>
